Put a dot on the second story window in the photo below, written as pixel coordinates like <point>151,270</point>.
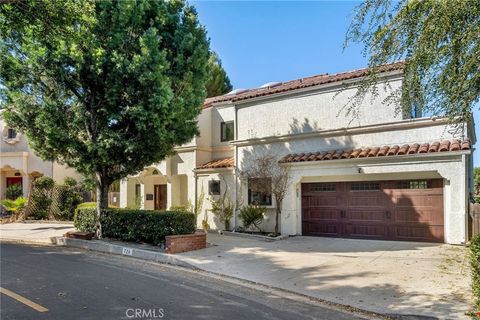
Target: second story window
<point>11,133</point>
<point>226,131</point>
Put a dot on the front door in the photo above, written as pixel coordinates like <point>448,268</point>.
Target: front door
<point>160,196</point>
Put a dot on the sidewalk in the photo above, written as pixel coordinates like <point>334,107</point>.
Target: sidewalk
<point>34,232</point>
<point>395,278</point>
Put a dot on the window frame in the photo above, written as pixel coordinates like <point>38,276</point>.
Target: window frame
<point>365,186</point>
<point>138,190</point>
<point>419,184</point>
<point>217,184</point>
<point>223,130</point>
<point>9,131</point>
<point>251,194</point>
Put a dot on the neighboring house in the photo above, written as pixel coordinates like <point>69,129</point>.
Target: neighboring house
<point>19,165</point>
<point>379,174</point>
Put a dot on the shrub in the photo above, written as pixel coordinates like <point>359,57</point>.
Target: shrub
<point>475,268</point>
<point>69,196</point>
<point>476,198</point>
<point>135,225</point>
<point>252,215</point>
<point>222,208</point>
<point>14,206</point>
<point>146,225</point>
<point>14,191</point>
<point>182,208</point>
<point>85,217</point>
<point>44,183</point>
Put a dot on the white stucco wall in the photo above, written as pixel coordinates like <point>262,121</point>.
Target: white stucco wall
<point>312,111</point>
<point>227,182</point>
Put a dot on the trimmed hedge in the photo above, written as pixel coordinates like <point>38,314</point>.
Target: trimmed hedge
<point>148,226</point>
<point>85,217</point>
<point>475,266</point>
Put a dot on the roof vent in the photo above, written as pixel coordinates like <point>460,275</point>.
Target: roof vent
<point>237,91</point>
<point>270,84</point>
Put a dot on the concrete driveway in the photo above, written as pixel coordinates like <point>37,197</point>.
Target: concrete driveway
<point>397,278</point>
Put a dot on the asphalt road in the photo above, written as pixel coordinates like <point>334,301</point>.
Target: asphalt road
<point>77,284</point>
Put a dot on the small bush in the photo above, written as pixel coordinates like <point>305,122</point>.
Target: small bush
<point>222,209</point>
<point>252,215</point>
<point>476,198</point>
<point>14,206</point>
<point>69,196</point>
<point>475,267</point>
<point>85,217</point>
<point>14,191</point>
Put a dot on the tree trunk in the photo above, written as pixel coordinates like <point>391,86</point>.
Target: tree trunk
<point>102,200</point>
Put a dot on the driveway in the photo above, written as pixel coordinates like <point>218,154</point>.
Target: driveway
<point>398,278</point>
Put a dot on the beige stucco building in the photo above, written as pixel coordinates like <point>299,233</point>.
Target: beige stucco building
<point>376,173</point>
<point>19,165</point>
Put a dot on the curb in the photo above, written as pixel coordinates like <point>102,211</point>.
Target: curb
<point>50,242</point>
<point>101,246</point>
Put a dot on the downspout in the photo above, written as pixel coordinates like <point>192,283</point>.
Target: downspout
<point>466,196</point>
<point>235,215</point>
<point>195,178</point>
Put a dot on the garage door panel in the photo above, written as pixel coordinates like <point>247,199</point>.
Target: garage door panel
<point>365,230</point>
<point>321,229</point>
<point>366,200</point>
<point>326,200</point>
<point>394,210</point>
<point>417,200</point>
<point>323,214</point>
<point>364,215</point>
<point>419,233</point>
<point>416,215</point>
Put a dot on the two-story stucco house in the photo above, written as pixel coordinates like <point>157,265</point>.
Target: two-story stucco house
<point>19,165</point>
<point>379,175</point>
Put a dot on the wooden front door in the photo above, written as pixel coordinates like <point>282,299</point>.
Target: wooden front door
<point>160,196</point>
<point>408,210</point>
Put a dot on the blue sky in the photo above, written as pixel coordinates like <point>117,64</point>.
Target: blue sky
<point>266,41</point>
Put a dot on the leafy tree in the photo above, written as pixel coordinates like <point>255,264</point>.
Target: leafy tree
<point>440,43</point>
<point>218,82</point>
<point>105,87</point>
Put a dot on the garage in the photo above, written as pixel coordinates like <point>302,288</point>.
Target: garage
<point>404,210</point>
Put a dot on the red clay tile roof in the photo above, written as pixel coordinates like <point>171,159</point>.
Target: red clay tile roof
<point>219,163</point>
<point>385,151</point>
<point>301,83</point>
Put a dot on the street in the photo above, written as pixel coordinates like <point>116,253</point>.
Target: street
<point>46,282</point>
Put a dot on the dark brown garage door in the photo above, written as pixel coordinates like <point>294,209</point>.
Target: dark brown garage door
<point>408,210</point>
